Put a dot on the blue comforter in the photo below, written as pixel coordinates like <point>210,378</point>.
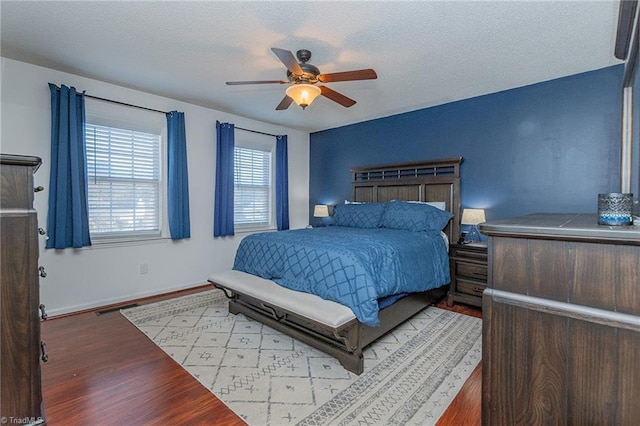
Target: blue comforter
<point>351,266</point>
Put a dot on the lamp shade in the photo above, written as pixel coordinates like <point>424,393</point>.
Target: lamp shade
<point>472,216</point>
<point>303,94</point>
<point>320,210</point>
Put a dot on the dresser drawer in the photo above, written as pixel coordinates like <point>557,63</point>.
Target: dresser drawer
<point>471,270</point>
<point>470,254</point>
<point>470,287</point>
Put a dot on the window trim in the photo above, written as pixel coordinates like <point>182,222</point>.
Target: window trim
<point>270,147</point>
<point>148,125</point>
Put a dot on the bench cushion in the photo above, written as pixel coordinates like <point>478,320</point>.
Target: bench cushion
<point>307,305</point>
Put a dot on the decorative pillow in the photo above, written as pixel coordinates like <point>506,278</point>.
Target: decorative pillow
<point>366,215</point>
<point>414,216</point>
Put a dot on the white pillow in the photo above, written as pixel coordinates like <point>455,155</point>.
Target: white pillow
<point>437,204</point>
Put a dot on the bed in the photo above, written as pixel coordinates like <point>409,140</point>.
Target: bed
<point>284,300</point>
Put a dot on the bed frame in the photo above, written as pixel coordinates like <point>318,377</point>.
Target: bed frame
<point>436,180</point>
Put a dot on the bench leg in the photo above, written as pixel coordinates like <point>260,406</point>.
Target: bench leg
<point>353,362</point>
<point>233,308</point>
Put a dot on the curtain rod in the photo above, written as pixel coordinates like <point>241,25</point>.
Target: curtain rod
<point>164,112</point>
<point>125,104</point>
<point>118,102</point>
<point>256,131</point>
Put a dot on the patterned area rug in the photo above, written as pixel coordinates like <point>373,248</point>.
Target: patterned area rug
<point>410,375</point>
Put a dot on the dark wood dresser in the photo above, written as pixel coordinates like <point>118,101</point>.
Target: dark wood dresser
<point>20,346</point>
<point>561,322</point>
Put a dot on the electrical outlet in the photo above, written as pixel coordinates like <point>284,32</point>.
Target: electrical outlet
<point>144,268</point>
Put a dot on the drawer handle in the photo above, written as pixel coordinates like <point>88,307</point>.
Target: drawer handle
<point>38,188</point>
<point>43,274</point>
<point>43,314</point>
<point>41,231</point>
<point>43,349</point>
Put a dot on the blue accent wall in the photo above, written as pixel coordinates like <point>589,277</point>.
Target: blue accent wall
<point>547,147</point>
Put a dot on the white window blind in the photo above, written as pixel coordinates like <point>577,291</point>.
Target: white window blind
<point>252,187</point>
<point>123,168</point>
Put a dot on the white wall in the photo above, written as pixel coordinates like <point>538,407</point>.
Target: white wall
<point>84,278</point>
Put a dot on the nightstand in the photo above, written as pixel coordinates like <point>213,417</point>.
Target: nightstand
<point>468,263</point>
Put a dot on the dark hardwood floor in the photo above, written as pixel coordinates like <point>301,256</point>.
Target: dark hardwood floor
<point>465,410</point>
<point>103,371</point>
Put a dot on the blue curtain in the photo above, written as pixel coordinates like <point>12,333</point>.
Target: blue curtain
<point>178,183</point>
<point>223,209</point>
<point>282,183</point>
<point>68,215</point>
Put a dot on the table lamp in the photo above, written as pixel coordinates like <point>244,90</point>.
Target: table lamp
<point>473,217</point>
<point>321,211</point>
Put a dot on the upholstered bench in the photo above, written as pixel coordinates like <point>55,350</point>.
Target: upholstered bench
<point>307,305</point>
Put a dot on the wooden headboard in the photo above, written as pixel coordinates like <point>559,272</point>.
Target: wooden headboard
<point>433,180</point>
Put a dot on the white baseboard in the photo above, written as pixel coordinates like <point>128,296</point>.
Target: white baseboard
<point>123,299</point>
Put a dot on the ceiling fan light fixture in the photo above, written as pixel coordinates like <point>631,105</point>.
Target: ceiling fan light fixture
<point>303,94</point>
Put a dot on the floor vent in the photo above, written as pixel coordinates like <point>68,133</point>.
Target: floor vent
<point>117,308</point>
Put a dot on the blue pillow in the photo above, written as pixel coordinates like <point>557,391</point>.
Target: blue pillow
<point>366,215</point>
<point>414,217</point>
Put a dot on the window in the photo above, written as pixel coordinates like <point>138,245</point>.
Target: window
<point>253,192</point>
<point>123,168</point>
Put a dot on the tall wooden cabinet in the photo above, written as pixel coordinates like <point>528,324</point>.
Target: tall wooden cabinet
<point>561,322</point>
<point>20,346</point>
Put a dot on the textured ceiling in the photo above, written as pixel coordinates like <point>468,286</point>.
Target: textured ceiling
<point>425,53</point>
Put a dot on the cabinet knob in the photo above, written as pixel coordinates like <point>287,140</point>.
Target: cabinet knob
<point>43,349</point>
<point>43,314</point>
<point>43,274</point>
<point>38,188</point>
<point>41,231</point>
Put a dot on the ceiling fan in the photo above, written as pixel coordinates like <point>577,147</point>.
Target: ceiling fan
<point>303,78</point>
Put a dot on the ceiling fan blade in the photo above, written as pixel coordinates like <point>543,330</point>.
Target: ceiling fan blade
<point>284,103</point>
<point>237,83</point>
<point>336,97</point>
<point>288,60</point>
<point>366,74</point>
